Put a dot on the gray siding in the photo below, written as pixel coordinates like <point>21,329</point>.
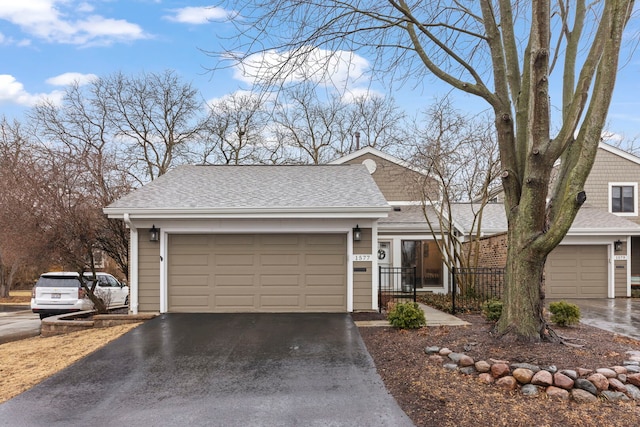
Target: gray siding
<point>148,274</point>
<point>362,297</point>
<point>607,168</point>
<point>396,182</point>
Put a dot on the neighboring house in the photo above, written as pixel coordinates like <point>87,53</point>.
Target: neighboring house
<point>276,238</point>
<point>600,256</point>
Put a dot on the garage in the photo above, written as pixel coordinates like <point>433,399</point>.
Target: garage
<point>257,273</point>
<point>577,271</point>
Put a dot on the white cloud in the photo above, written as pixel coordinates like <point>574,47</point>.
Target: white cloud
<point>339,68</point>
<point>197,15</point>
<point>68,78</point>
<point>13,92</point>
<point>351,94</point>
<point>67,21</point>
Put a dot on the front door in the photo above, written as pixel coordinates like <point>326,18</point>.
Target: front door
<point>385,261</point>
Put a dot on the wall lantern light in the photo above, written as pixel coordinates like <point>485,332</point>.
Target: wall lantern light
<point>154,234</point>
<point>617,246</point>
<point>357,234</point>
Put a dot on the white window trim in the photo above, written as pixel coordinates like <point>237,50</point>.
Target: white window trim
<point>635,197</point>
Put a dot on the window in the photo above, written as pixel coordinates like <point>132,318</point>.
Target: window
<point>425,256</point>
<point>623,198</point>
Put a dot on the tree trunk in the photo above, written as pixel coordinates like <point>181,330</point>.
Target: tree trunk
<point>523,299</point>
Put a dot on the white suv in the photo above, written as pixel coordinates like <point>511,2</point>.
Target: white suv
<point>60,292</point>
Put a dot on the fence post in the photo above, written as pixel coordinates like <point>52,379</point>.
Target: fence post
<point>415,283</point>
<point>379,289</point>
<point>453,290</point>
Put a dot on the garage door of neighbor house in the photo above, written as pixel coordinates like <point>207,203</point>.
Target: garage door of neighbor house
<point>257,273</point>
<point>577,271</point>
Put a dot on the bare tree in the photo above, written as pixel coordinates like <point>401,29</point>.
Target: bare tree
<point>20,243</point>
<point>79,135</point>
<point>154,116</point>
<point>235,131</point>
<point>459,153</point>
<point>503,52</point>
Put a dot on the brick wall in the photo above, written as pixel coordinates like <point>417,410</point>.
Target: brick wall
<point>492,250</point>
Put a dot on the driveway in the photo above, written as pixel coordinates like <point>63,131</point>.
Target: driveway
<point>18,322</point>
<point>219,370</point>
<point>620,315</point>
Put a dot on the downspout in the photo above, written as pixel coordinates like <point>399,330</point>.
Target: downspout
<point>133,265</point>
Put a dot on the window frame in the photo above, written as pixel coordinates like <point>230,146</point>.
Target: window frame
<point>634,185</point>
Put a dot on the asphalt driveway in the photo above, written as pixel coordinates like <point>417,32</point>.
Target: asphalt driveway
<point>219,370</point>
<point>620,315</point>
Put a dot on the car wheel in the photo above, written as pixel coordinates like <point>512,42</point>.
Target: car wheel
<point>43,315</point>
<point>126,300</point>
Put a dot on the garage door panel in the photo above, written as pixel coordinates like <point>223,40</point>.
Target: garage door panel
<point>234,301</point>
<point>291,280</point>
<point>231,280</point>
<point>187,260</point>
<point>279,259</point>
<point>234,259</point>
<point>279,272</point>
<point>323,280</point>
<point>324,259</point>
<point>577,271</point>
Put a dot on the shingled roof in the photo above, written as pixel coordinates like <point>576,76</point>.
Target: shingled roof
<point>256,189</point>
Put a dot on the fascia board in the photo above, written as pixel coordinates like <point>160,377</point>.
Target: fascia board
<point>373,213</point>
<point>603,232</point>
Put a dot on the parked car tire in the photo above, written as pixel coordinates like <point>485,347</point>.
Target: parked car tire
<point>126,300</point>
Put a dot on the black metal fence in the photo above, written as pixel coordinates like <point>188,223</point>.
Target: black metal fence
<point>396,284</point>
<point>472,287</point>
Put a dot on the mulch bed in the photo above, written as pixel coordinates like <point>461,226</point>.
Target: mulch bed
<point>432,396</point>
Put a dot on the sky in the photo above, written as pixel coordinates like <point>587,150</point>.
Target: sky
<point>47,44</point>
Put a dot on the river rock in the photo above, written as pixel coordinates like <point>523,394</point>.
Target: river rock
<point>552,368</point>
<point>570,373</point>
<point>530,390</point>
<point>600,381</point>
<point>542,378</point>
<point>508,383</point>
<point>499,370</point>
<point>583,396</point>
<point>633,369</point>
<point>468,370</point>
<point>523,375</point>
<point>586,385</point>
<point>582,372</point>
<point>432,350</point>
<point>634,379</point>
<point>616,385</point>
<point>619,369</point>
<point>534,368</point>
<point>450,366</point>
<point>609,373</point>
<point>466,361</point>
<point>633,392</point>
<point>482,366</point>
<point>615,396</point>
<point>562,381</point>
<point>444,351</point>
<point>455,356</point>
<point>557,393</point>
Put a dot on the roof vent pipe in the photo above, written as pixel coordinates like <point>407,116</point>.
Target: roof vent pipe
<point>357,140</point>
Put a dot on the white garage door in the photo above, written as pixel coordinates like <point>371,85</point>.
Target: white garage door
<point>257,273</point>
<point>576,271</point>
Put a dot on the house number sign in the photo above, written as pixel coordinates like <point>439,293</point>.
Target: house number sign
<point>360,257</point>
<point>620,257</point>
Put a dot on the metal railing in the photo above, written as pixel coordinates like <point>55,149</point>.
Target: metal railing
<point>396,284</point>
<point>472,287</point>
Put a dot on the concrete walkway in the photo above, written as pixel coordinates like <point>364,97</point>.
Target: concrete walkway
<point>18,325</point>
<point>434,318</point>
